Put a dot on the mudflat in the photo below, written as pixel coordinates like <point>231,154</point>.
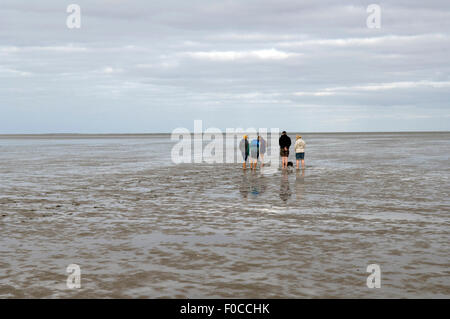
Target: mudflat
<point>140,226</point>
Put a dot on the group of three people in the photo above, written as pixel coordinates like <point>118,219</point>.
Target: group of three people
<point>254,149</point>
<point>257,148</point>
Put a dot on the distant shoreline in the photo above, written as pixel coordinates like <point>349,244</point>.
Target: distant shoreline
<point>153,135</point>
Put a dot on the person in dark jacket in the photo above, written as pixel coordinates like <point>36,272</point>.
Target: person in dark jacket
<point>285,143</point>
<point>245,150</point>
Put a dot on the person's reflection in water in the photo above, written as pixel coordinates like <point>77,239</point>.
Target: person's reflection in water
<point>243,188</point>
<point>257,184</point>
<point>299,184</point>
<point>285,191</point>
<point>254,184</point>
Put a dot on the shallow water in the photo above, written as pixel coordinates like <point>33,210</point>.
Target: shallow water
<point>140,226</point>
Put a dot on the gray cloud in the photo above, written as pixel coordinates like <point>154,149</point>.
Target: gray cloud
<point>140,66</point>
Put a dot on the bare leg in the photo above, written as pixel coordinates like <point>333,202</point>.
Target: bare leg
<point>303,164</point>
<point>298,162</point>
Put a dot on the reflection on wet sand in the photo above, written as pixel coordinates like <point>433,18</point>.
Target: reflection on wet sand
<point>299,184</point>
<point>285,191</point>
<point>253,183</point>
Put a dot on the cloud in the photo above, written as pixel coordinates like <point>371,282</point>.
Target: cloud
<point>30,49</point>
<point>13,72</point>
<point>111,70</point>
<point>256,62</point>
<point>319,93</point>
<point>270,54</point>
<point>160,65</point>
<point>366,41</point>
<point>377,87</point>
<point>397,85</point>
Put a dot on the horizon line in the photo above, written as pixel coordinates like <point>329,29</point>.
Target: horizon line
<point>203,132</point>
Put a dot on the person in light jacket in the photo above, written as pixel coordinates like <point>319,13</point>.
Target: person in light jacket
<point>300,146</point>
<point>262,149</point>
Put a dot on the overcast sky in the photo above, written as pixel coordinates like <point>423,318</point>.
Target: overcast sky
<point>152,66</point>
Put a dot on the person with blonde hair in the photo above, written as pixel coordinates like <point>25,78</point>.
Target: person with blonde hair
<point>245,150</point>
<point>300,151</point>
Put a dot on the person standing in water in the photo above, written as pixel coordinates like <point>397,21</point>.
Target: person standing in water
<point>254,153</point>
<point>300,151</point>
<point>262,149</point>
<point>285,143</point>
<point>245,149</point>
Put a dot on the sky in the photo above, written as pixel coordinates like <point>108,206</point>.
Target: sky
<point>153,66</point>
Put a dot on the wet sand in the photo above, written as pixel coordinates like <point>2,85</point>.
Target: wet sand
<point>142,227</point>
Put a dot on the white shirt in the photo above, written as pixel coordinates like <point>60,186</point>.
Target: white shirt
<point>300,146</point>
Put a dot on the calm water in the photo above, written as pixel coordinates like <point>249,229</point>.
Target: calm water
<point>141,227</point>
